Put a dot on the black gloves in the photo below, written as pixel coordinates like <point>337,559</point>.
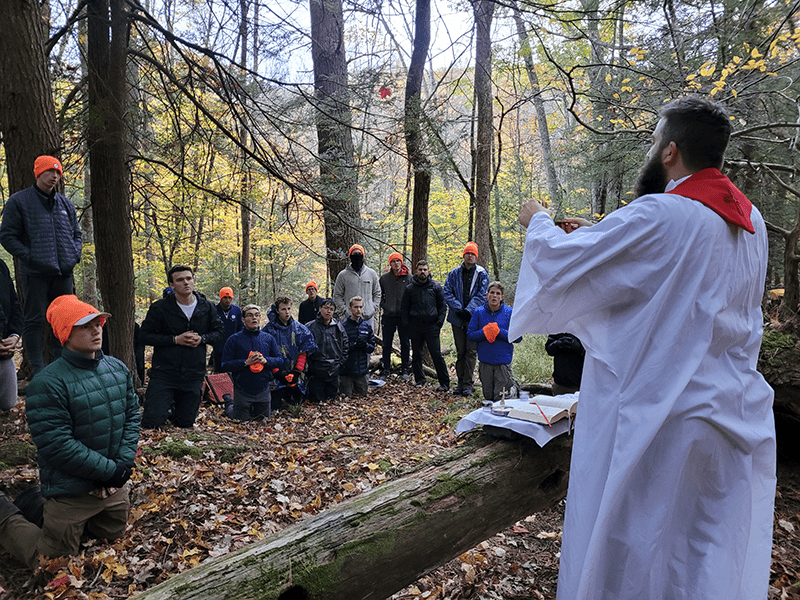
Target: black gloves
<point>464,315</point>
<point>121,475</point>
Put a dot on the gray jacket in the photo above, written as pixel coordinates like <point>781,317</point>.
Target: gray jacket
<point>349,284</point>
<point>42,232</point>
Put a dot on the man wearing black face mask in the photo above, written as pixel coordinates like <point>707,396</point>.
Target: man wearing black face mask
<point>357,280</point>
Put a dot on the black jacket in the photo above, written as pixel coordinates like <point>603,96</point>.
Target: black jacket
<point>309,309</point>
<point>164,321</point>
<point>332,349</point>
<point>568,353</point>
<point>392,288</point>
<point>423,304</point>
<point>10,310</point>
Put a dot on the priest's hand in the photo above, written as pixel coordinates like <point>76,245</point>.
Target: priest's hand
<point>570,224</point>
<point>530,208</point>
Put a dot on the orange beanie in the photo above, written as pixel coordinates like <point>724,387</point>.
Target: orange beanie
<point>67,311</point>
<point>471,247</point>
<point>358,247</point>
<point>45,163</point>
<point>395,255</point>
<point>312,284</point>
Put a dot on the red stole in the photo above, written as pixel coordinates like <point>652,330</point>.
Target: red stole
<point>717,192</point>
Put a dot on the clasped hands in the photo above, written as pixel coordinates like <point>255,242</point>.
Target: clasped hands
<point>10,344</point>
<point>188,338</point>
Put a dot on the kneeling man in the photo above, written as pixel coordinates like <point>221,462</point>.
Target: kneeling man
<point>84,420</point>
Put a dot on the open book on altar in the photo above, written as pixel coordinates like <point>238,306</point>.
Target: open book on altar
<point>539,409</point>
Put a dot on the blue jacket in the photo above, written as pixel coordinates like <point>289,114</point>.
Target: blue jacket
<point>499,352</point>
<point>453,293</point>
<point>293,340</point>
<point>42,232</point>
<point>84,419</point>
<point>238,348</point>
<point>232,323</point>
<point>360,343</point>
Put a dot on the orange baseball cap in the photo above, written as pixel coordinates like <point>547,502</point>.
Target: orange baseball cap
<point>225,292</point>
<point>45,163</point>
<point>65,312</point>
<point>471,247</point>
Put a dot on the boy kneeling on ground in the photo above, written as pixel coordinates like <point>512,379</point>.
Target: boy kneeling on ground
<point>250,355</point>
<point>84,419</point>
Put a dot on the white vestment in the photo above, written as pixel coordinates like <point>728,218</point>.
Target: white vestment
<point>672,480</point>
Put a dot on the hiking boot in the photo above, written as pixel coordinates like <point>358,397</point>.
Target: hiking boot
<point>7,508</point>
<point>420,383</point>
<point>457,391</point>
<point>467,391</point>
<point>442,388</point>
<point>405,375</point>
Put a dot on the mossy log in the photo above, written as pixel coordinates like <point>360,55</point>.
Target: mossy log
<point>383,540</point>
<point>779,362</point>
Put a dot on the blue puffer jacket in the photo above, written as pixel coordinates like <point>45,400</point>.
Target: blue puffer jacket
<point>360,343</point>
<point>42,232</point>
<point>238,348</point>
<point>454,292</point>
<point>293,340</point>
<point>499,352</point>
<point>84,417</point>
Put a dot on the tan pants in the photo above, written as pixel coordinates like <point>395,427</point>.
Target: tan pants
<point>65,519</point>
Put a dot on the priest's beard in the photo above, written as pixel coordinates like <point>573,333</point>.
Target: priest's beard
<point>652,177</point>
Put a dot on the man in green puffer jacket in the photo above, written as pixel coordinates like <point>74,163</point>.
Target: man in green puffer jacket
<point>84,420</point>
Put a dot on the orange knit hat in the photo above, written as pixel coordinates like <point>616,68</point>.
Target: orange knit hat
<point>395,255</point>
<point>225,292</point>
<point>471,247</point>
<point>312,284</point>
<point>45,163</point>
<point>67,311</point>
<point>355,247</point>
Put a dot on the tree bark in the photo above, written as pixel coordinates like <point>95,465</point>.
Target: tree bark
<point>413,131</point>
<point>110,178</point>
<point>553,186</point>
<point>27,113</point>
<point>483,11</point>
<point>337,171</point>
<point>377,543</point>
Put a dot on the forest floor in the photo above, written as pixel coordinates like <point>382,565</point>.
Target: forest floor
<point>201,493</point>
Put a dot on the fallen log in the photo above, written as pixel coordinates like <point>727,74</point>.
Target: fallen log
<point>381,541</point>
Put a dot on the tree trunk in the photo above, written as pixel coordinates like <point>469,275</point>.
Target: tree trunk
<point>553,186</point>
<point>413,131</point>
<point>338,179</point>
<point>483,10</point>
<point>108,153</point>
<point>27,113</point>
<point>377,543</point>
